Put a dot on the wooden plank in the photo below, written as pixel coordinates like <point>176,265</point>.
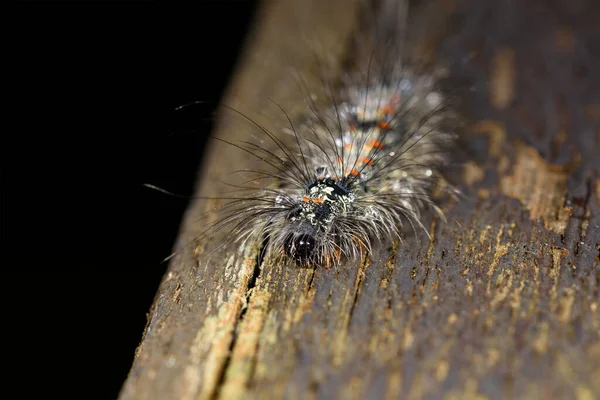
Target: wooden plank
<point>501,302</point>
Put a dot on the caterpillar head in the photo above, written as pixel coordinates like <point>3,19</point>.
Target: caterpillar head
<point>313,218</point>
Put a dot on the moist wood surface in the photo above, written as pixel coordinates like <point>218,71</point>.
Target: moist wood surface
<point>502,302</point>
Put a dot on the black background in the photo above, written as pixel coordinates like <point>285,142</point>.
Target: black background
<point>97,85</point>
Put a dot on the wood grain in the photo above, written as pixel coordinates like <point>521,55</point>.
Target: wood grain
<point>502,302</point>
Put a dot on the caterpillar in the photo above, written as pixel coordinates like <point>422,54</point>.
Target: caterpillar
<point>356,173</point>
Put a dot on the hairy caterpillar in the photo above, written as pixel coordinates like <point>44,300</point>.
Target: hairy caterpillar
<point>357,172</point>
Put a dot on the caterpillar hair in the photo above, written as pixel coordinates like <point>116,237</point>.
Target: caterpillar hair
<point>357,172</point>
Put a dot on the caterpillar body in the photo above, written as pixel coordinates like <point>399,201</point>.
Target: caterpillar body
<point>357,173</point>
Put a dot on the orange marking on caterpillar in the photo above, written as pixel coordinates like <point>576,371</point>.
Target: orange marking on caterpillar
<point>305,199</point>
<point>353,172</point>
<point>318,200</point>
<point>384,125</point>
<point>374,144</point>
<point>388,109</point>
<point>367,160</point>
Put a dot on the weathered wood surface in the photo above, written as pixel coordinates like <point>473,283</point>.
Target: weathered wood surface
<point>502,302</point>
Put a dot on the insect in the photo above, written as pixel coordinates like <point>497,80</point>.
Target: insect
<point>356,173</point>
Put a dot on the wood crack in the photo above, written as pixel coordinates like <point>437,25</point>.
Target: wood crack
<point>238,323</point>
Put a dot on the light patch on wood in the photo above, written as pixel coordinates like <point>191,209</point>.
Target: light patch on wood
<point>470,392</point>
<point>515,296</point>
<point>340,349</point>
<point>240,367</point>
<point>500,250</point>
<point>554,274</point>
<point>496,133</point>
<point>566,305</point>
<point>502,78</point>
<point>469,288</point>
<point>594,354</point>
<point>218,334</point>
<point>472,173</point>
<point>540,187</point>
<point>584,393</point>
<point>503,164</point>
<point>483,234</point>
<point>452,318</point>
<point>352,389</point>
<point>493,356</point>
<point>416,388</point>
<point>408,338</point>
<point>394,385</point>
<point>540,344</point>
<point>268,339</point>
<point>503,286</point>
<point>305,301</point>
<point>441,372</point>
<point>432,240</point>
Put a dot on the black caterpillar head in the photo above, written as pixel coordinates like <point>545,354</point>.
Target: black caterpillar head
<point>300,247</point>
<point>312,219</point>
